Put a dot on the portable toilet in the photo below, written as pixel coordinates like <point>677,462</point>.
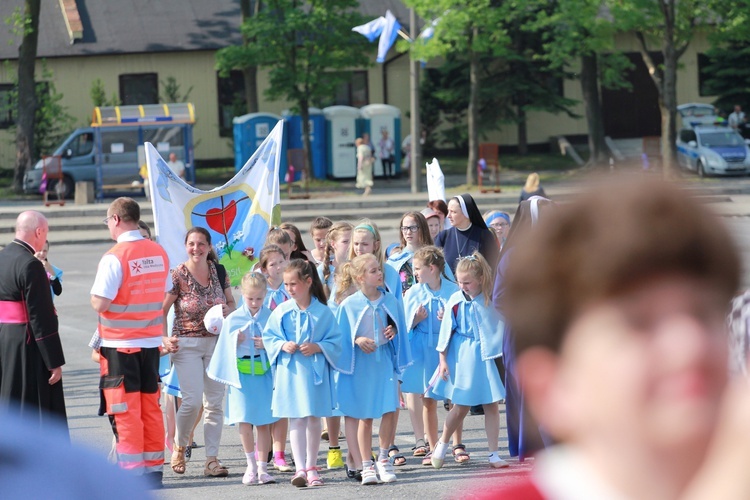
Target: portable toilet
<point>379,117</point>
<point>317,138</point>
<point>341,130</point>
<point>249,132</point>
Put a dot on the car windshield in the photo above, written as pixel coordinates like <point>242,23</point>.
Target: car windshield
<point>721,139</point>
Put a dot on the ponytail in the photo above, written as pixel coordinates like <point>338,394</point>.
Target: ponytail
<point>305,269</point>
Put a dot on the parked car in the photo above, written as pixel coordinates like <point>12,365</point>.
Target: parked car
<point>713,150</point>
<point>110,151</point>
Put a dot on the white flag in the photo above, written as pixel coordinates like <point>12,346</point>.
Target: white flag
<point>237,214</point>
<point>435,181</point>
<point>371,30</point>
<point>388,36</point>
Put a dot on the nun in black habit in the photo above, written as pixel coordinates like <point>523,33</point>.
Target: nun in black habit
<point>468,234</point>
<point>524,435</point>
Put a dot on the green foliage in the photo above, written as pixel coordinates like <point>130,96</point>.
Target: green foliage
<point>19,23</point>
<point>171,91</point>
<point>304,46</point>
<point>99,95</point>
<point>727,75</point>
<point>52,122</point>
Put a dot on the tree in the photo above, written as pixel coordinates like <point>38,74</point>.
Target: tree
<point>668,25</point>
<point>470,29</point>
<point>99,95</point>
<point>27,25</point>
<point>306,46</point>
<point>171,91</point>
<point>727,75</point>
<point>579,29</point>
<point>243,57</point>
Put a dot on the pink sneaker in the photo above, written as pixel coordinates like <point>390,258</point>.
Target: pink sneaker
<point>280,464</point>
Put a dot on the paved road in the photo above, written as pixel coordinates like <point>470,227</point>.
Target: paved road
<point>78,322</point>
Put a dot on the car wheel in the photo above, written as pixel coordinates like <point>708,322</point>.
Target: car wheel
<point>701,172</point>
<point>63,190</point>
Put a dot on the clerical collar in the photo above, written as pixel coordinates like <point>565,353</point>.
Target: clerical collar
<point>464,230</point>
<point>25,245</point>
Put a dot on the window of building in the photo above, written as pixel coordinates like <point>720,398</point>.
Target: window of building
<point>703,62</point>
<point>7,118</point>
<point>351,92</point>
<point>139,88</point>
<point>232,100</point>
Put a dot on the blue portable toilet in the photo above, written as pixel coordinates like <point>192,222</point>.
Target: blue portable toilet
<point>342,128</point>
<point>318,142</point>
<point>249,132</point>
<point>379,117</point>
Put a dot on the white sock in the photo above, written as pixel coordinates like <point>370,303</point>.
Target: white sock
<point>251,463</point>
<point>298,440</point>
<point>440,450</point>
<point>263,466</point>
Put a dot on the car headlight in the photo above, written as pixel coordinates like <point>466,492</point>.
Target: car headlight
<point>713,159</point>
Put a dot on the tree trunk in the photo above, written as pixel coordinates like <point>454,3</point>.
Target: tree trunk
<point>472,118</point>
<point>305,115</point>
<point>523,139</point>
<point>26,94</point>
<point>250,75</point>
<point>250,8</point>
<point>593,104</point>
<point>668,108</point>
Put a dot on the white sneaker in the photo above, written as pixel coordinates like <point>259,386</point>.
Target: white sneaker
<point>496,462</point>
<point>369,476</point>
<point>249,477</point>
<point>385,471</point>
<point>438,455</point>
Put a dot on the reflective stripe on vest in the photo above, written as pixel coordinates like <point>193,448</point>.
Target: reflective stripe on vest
<point>136,312</point>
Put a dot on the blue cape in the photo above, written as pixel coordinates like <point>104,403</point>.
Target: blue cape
<point>484,322</point>
<point>421,295</point>
<point>223,365</point>
<point>349,316</point>
<point>315,324</point>
<point>397,261</point>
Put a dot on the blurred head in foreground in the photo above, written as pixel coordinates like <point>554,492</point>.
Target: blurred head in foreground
<point>618,302</point>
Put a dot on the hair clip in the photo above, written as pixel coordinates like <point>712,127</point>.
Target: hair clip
<point>471,258</point>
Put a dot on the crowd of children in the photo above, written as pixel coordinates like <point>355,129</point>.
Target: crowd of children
<point>344,331</point>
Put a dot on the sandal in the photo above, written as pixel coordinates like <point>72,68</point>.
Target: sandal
<point>215,469</point>
<point>447,405</point>
<point>421,449</point>
<point>396,458</point>
<point>324,435</point>
<point>178,459</point>
<point>300,479</point>
<point>427,460</point>
<point>313,478</point>
<point>460,455</point>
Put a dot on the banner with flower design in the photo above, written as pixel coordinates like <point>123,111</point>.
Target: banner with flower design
<point>237,214</point>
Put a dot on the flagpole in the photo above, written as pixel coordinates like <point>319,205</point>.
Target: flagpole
<point>416,134</point>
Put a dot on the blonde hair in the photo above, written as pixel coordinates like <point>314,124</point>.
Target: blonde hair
<point>253,280</point>
<point>367,226</point>
<point>532,183</point>
<point>336,231</point>
<point>344,278</point>
<point>356,266</point>
<point>477,266</point>
<point>431,255</point>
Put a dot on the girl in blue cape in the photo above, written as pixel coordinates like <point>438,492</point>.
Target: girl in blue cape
<point>471,337</point>
<point>424,306</point>
<point>272,261</point>
<point>336,252</point>
<point>303,344</point>
<point>375,351</point>
<point>240,362</point>
<point>414,233</point>
<point>366,239</point>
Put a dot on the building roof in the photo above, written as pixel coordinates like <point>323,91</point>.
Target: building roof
<point>138,26</point>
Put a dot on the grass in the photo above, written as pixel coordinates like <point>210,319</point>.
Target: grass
<point>532,162</point>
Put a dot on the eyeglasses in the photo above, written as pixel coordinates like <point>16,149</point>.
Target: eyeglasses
<point>499,224</point>
<point>409,229</point>
<point>106,220</point>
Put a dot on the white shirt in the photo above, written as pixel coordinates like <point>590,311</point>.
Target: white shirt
<point>736,119</point>
<point>177,167</point>
<point>107,283</point>
<point>562,473</point>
